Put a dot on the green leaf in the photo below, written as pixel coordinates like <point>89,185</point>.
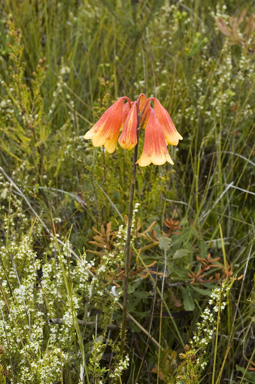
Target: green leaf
<point>188,301</point>
<point>202,249</point>
<point>141,295</point>
<point>246,374</point>
<point>134,286</point>
<point>204,292</point>
<point>165,243</point>
<point>180,253</point>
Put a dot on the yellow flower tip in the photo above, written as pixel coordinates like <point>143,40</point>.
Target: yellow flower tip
<point>173,138</point>
<point>144,160</point>
<point>110,146</point>
<point>90,133</point>
<point>128,137</point>
<point>155,148</point>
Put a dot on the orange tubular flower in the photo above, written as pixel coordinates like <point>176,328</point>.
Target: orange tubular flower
<point>128,137</point>
<point>106,130</point>
<point>171,135</point>
<point>155,148</point>
<point>130,118</point>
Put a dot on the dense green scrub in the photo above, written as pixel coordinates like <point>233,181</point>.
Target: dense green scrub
<point>64,203</point>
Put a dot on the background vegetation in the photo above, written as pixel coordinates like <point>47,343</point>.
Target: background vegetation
<point>64,203</point>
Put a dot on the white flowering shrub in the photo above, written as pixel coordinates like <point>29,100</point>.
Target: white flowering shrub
<point>196,351</point>
<point>44,295</point>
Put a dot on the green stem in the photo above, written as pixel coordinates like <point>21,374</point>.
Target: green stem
<point>127,248</point>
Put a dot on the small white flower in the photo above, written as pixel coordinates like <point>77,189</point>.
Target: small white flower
<point>113,290</point>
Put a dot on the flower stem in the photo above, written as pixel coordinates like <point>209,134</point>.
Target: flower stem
<point>128,254</point>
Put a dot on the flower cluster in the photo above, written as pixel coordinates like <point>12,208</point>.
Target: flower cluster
<point>122,365</point>
<point>207,327</point>
<point>129,118</point>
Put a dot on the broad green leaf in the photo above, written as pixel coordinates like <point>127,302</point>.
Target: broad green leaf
<point>188,301</point>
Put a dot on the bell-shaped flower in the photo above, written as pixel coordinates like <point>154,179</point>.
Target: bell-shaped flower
<point>155,148</point>
<point>129,118</point>
<point>106,130</point>
<point>128,137</point>
<point>171,135</point>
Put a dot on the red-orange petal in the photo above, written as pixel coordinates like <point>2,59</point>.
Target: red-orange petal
<point>144,110</point>
<point>106,130</point>
<point>128,137</point>
<point>171,135</point>
<point>126,109</point>
<point>142,102</point>
<point>155,148</point>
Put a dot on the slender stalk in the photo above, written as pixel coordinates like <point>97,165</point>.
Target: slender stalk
<point>127,248</point>
<point>161,314</point>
